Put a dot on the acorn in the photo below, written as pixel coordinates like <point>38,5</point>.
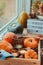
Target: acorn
<point>21,56</point>
<point>18,46</point>
<point>16,54</point>
<point>22,52</point>
<point>28,48</point>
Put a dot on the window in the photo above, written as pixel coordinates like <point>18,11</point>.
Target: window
<point>24,5</point>
<point>8,10</point>
<point>11,8</point>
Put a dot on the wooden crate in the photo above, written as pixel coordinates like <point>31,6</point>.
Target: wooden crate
<point>19,61</point>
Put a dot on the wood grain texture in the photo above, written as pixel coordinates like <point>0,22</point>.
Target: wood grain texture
<point>19,62</point>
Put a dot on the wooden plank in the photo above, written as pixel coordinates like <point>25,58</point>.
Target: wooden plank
<point>19,62</point>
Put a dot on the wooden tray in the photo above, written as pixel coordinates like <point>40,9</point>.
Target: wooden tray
<point>19,61</point>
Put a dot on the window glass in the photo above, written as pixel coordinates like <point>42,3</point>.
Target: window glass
<point>7,11</point>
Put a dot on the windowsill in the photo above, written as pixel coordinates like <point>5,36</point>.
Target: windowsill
<point>3,30</point>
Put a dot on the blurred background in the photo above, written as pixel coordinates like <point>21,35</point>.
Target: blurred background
<point>7,11</point>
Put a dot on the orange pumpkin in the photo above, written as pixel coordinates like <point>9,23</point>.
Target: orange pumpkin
<point>37,39</point>
<point>31,54</point>
<point>31,42</point>
<point>6,46</point>
<point>9,37</point>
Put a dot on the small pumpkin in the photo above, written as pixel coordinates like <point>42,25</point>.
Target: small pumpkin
<point>31,42</point>
<point>10,36</point>
<point>31,54</point>
<point>6,46</point>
